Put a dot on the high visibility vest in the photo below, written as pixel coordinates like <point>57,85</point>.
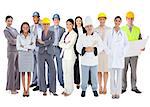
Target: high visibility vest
<point>133,35</point>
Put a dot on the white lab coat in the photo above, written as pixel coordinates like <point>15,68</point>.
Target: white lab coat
<point>117,47</point>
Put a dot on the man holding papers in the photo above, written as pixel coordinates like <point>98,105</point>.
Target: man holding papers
<point>133,34</point>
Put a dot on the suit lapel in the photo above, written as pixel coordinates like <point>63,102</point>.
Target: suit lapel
<point>10,31</point>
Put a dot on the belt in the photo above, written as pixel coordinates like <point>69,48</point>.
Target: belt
<point>57,46</point>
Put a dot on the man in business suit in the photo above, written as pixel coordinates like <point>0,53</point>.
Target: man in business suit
<point>46,54</point>
<point>58,32</point>
<point>36,30</point>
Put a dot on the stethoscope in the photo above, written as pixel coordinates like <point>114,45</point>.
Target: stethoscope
<point>119,34</point>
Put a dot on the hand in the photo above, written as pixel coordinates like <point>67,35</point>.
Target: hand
<point>40,41</point>
<point>143,49</point>
<point>67,42</point>
<point>31,43</point>
<point>89,49</point>
<point>29,49</point>
<point>22,46</point>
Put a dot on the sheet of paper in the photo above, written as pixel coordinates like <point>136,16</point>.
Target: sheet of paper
<point>135,47</point>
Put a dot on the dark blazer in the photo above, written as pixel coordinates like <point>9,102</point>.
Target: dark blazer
<point>61,31</point>
<point>76,30</point>
<point>49,40</point>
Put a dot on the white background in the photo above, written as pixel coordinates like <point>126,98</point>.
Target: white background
<point>22,10</point>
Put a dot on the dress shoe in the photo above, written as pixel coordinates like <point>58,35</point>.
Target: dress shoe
<point>95,93</point>
<point>136,91</point>
<point>83,94</point>
<point>36,88</point>
<point>33,85</point>
<point>117,96</point>
<point>62,85</point>
<point>66,94</point>
<point>78,86</point>
<point>123,91</point>
<point>14,92</point>
<point>44,94</point>
<point>113,96</point>
<point>54,93</point>
<point>24,94</point>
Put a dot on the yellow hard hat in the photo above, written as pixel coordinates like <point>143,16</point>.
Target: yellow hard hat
<point>130,14</point>
<point>102,14</point>
<point>46,20</point>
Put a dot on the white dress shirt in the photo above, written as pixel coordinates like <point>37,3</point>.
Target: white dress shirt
<point>27,43</point>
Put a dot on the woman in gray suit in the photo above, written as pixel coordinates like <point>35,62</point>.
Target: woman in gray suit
<point>46,54</point>
<point>13,77</point>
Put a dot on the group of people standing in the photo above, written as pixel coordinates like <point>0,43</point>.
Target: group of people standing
<point>84,55</point>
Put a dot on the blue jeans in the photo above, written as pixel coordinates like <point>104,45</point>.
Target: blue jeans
<point>85,77</point>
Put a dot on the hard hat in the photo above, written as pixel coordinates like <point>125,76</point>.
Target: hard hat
<point>46,20</point>
<point>36,14</point>
<point>56,16</point>
<point>130,14</point>
<point>88,21</point>
<point>100,15</point>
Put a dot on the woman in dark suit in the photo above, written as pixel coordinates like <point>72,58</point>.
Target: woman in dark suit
<point>80,30</point>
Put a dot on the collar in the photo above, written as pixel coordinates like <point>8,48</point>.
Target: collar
<point>56,26</point>
<point>91,34</point>
<point>119,31</point>
<point>24,36</point>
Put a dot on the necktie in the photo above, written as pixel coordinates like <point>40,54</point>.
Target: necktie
<point>35,31</point>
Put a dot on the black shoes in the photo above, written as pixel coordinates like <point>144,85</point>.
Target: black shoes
<point>44,93</point>
<point>136,91</point>
<point>83,94</point>
<point>78,86</point>
<point>62,85</point>
<point>54,93</point>
<point>123,91</point>
<point>33,85</point>
<point>95,93</point>
<point>26,94</point>
<point>36,88</point>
